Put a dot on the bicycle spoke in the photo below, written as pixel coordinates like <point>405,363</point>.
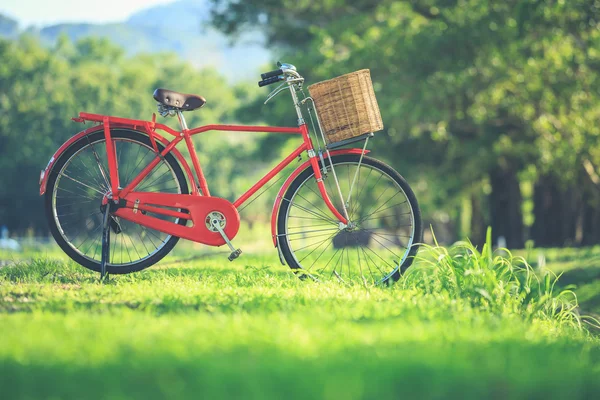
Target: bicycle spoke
<point>310,245</point>
<point>102,172</point>
<point>134,248</point>
<point>338,262</point>
<point>387,234</point>
<point>358,250</point>
<point>314,226</point>
<point>149,238</point>
<point>149,185</point>
<point>99,183</point>
<point>320,244</point>
<point>315,230</point>
<point>351,205</point>
<point>77,197</point>
<point>325,267</point>
<point>318,194</point>
<point>74,222</point>
<point>318,209</point>
<point>388,216</point>
<point>67,214</point>
<point>318,219</point>
<point>122,245</point>
<point>321,217</point>
<point>345,248</point>
<point>71,204</point>
<point>95,246</point>
<point>150,231</point>
<point>309,237</point>
<point>125,245</point>
<point>143,244</point>
<point>389,207</point>
<point>355,209</point>
<point>131,171</point>
<point>113,247</point>
<point>364,251</point>
<point>379,208</point>
<point>367,257</point>
<point>89,237</point>
<point>320,254</point>
<point>165,190</point>
<point>381,258</point>
<point>386,189</point>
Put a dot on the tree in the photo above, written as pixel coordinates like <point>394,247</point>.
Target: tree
<point>41,89</point>
<point>473,93</point>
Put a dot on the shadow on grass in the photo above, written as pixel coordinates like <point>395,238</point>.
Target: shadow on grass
<point>402,370</point>
<point>578,276</point>
<point>54,271</point>
<point>562,255</point>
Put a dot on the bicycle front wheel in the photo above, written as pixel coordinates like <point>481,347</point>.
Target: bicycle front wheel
<point>381,239</point>
<point>79,181</point>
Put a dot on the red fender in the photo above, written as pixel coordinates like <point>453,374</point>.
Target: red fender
<point>291,178</point>
<point>44,174</point>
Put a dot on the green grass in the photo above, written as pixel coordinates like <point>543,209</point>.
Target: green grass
<point>579,269</point>
<point>462,324</point>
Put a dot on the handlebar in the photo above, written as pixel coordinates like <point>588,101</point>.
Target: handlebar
<point>270,74</point>
<point>272,79</point>
<point>293,82</point>
<point>285,71</point>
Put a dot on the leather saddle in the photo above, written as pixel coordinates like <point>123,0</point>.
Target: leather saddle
<point>178,101</point>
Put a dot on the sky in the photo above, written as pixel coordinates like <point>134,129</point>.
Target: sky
<point>47,12</point>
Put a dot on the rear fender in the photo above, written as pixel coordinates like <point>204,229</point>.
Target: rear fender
<point>290,179</point>
<point>46,172</point>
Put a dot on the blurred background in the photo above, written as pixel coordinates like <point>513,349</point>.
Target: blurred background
<point>491,109</point>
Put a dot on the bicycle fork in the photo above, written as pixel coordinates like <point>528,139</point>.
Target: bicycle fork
<point>314,162</point>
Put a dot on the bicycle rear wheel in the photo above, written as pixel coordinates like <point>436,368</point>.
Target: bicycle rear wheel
<point>378,245</point>
<point>79,181</point>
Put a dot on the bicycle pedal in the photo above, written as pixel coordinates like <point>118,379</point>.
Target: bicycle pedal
<point>234,254</point>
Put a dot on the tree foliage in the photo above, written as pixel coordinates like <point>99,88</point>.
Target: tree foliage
<point>479,98</point>
<point>41,89</point>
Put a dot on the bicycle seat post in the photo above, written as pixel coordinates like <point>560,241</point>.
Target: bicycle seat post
<point>182,122</point>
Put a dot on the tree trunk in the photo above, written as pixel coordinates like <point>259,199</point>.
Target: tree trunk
<point>557,211</point>
<point>478,224</point>
<point>546,230</point>
<point>590,214</point>
<point>505,206</point>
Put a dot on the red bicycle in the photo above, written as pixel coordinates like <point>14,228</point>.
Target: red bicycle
<point>119,196</point>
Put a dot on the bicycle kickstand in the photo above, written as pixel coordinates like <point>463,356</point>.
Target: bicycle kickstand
<point>105,243</point>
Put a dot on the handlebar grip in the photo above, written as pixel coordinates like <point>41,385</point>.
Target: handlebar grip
<point>270,74</point>
<point>270,80</point>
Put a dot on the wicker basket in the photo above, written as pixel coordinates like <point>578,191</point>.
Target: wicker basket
<point>347,106</point>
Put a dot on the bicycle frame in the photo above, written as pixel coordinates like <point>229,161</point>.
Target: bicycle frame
<point>198,183</point>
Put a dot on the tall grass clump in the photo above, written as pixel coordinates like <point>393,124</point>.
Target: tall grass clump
<point>493,281</point>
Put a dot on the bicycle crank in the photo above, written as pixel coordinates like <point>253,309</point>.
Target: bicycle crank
<point>147,208</point>
<point>216,222</point>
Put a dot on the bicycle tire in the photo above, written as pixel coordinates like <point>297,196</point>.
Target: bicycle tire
<point>316,211</point>
<point>97,139</point>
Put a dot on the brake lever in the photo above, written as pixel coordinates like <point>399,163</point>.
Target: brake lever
<point>275,92</point>
<point>283,86</point>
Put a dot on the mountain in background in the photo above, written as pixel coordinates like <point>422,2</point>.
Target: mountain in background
<point>183,27</point>
<point>8,27</point>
